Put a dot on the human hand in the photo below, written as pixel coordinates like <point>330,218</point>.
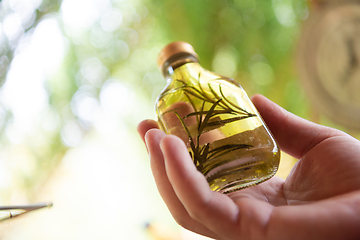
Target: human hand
<point>320,199</point>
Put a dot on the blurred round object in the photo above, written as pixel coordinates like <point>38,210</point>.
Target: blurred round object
<point>329,61</point>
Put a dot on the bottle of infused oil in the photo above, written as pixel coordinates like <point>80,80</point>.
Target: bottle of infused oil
<point>225,135</point>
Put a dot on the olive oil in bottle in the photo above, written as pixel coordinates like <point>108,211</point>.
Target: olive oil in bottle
<point>225,135</point>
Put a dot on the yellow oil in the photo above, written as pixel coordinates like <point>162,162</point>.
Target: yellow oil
<point>226,137</point>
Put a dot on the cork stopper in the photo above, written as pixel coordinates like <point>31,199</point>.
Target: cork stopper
<point>172,49</point>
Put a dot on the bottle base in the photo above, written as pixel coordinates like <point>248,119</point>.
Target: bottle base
<point>236,186</point>
<point>240,177</point>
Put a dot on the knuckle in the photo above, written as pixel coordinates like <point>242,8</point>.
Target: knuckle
<point>199,214</point>
<point>184,222</point>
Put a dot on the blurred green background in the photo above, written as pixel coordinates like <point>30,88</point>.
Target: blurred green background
<point>77,76</point>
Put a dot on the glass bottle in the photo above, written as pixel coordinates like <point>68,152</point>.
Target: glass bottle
<point>225,135</point>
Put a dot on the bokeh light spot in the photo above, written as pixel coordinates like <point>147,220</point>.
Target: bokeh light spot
<point>261,72</point>
<point>111,20</point>
<point>284,12</point>
<point>71,133</point>
<point>12,26</point>
<point>93,71</point>
<point>225,62</point>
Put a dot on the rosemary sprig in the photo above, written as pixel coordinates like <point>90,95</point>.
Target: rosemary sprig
<point>216,112</point>
<point>225,121</point>
<point>197,157</point>
<point>208,120</point>
<point>207,117</point>
<point>192,104</point>
<point>232,104</point>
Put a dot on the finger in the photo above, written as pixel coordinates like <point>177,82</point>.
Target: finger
<point>177,210</point>
<point>214,210</point>
<point>295,135</point>
<point>145,126</point>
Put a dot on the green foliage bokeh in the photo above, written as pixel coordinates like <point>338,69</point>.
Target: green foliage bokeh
<point>252,41</point>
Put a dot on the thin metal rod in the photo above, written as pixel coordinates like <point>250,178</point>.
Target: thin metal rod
<point>26,207</point>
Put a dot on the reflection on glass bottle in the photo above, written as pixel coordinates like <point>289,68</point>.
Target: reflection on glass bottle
<point>225,135</point>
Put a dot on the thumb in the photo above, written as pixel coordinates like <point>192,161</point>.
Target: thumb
<point>294,135</point>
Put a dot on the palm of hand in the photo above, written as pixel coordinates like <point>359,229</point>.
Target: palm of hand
<point>327,170</point>
<point>320,197</point>
<point>323,172</point>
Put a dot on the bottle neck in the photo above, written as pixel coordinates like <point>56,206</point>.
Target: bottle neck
<point>177,61</point>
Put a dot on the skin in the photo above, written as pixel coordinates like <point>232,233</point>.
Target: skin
<point>320,199</point>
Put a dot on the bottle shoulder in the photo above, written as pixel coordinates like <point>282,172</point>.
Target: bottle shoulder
<point>192,76</point>
<point>194,73</point>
